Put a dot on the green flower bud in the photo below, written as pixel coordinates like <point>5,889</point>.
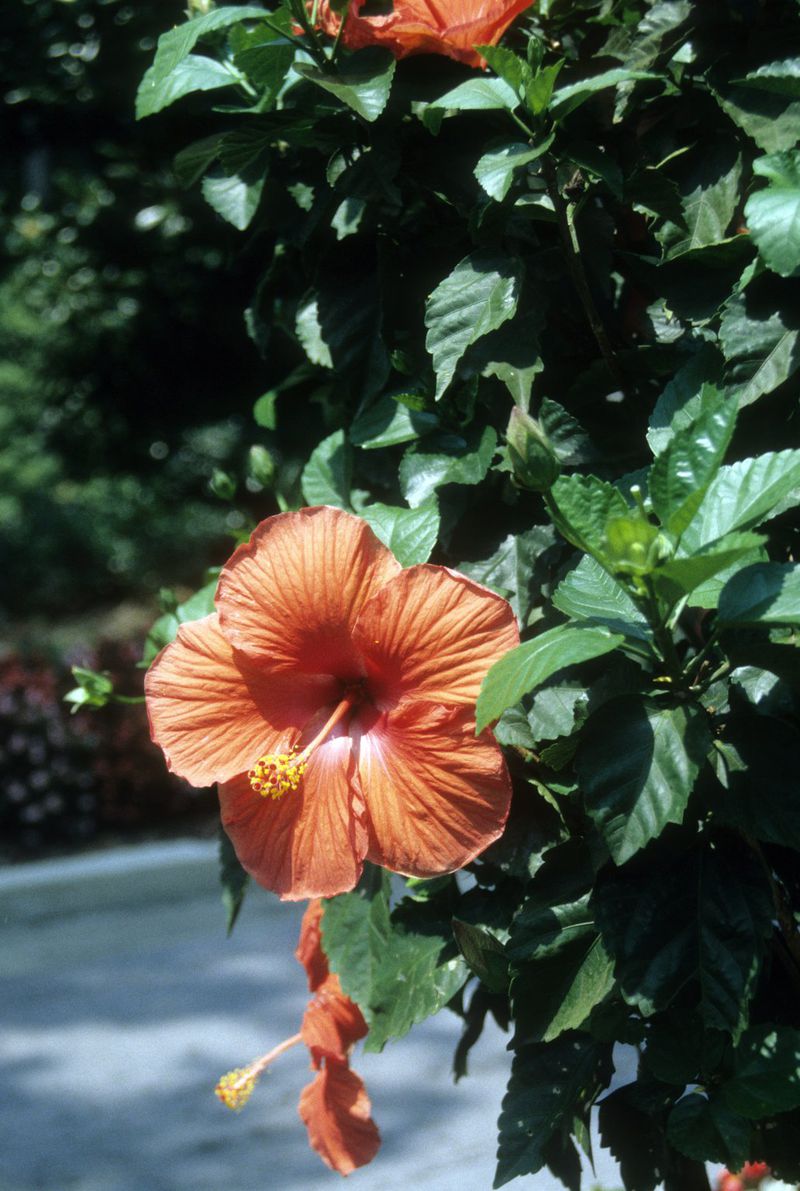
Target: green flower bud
<point>533,461</point>
<point>634,545</point>
<point>261,466</point>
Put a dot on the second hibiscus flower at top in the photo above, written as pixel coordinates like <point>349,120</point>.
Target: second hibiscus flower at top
<point>332,696</point>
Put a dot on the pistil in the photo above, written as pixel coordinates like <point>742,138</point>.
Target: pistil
<point>276,774</point>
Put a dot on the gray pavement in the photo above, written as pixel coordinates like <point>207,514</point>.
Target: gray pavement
<point>123,1001</point>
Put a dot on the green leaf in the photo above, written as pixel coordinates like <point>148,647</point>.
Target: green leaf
<point>770,119</point>
<point>549,1081</point>
<point>685,397</point>
<point>767,1072</point>
<point>764,593</point>
<point>264,410</point>
<point>512,570</point>
<point>508,65</point>
<point>363,83</point>
<point>93,689</point>
<point>539,90</point>
<point>326,478</point>
<point>422,472</point>
<point>495,170</point>
<point>761,796</point>
<point>781,78</point>
<point>482,94</point>
<point>581,507</point>
<point>707,1131</point>
<point>762,348</point>
<point>235,199</point>
<point>531,664</point>
<point>567,98</point>
<point>709,189</point>
<point>309,331</point>
<point>477,297</point>
<point>555,912</point>
<point>396,976</point>
<point>743,495</point>
<point>637,764</point>
<point>557,992</point>
<point>165,629</point>
<point>556,708</point>
<point>410,534</point>
<point>589,593</point>
<point>388,423</point>
<point>175,46</point>
<point>233,878</point>
<point>192,162</point>
<point>773,215</point>
<point>681,576</point>
<point>697,921</point>
<point>484,954</point>
<point>681,475</point>
<point>194,73</point>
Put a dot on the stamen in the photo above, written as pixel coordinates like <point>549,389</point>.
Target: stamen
<point>236,1088</point>
<point>275,774</point>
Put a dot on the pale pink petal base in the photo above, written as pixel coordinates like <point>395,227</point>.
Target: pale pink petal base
<point>312,841</point>
<point>436,794</point>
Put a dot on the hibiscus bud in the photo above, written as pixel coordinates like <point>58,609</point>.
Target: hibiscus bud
<point>261,466</point>
<point>634,545</point>
<point>533,460</point>
<point>222,484</point>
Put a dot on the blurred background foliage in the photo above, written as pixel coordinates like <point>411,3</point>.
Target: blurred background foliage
<point>126,377</point>
<point>121,337</point>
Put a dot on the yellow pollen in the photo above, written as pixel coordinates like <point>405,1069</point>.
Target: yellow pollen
<point>275,774</point>
<point>235,1088</point>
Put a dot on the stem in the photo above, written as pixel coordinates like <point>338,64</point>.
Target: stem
<point>661,635</point>
<point>339,33</point>
<point>572,248</point>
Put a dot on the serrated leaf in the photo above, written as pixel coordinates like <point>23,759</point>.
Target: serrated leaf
<point>512,569</point>
<point>531,664</point>
<point>581,507</point>
<point>773,215</point>
<point>363,83</point>
<point>700,919</point>
<point>763,593</point>
<point>234,198</point>
<point>423,471</point>
<point>571,96</point>
<point>637,764</point>
<point>709,189</point>
<point>704,1129</point>
<point>483,953</point>
<point>165,629</point>
<point>681,475</point>
<point>762,348</point>
<point>484,94</point>
<point>193,161</point>
<point>508,65</point>
<point>767,1072</point>
<point>309,332</point>
<point>410,534</point>
<point>233,879</point>
<point>326,478</point>
<point>388,423</point>
<point>684,397</point>
<point>548,1083</point>
<point>743,495</point>
<point>556,708</point>
<point>194,73</point>
<point>396,976</point>
<point>589,593</point>
<point>681,576</point>
<point>495,170</point>
<point>557,992</point>
<point>175,46</point>
<point>477,297</point>
<point>781,78</point>
<point>555,912</point>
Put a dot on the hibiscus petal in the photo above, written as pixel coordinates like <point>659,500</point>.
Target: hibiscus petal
<point>213,712</point>
<point>293,592</point>
<point>436,794</point>
<point>336,1111</point>
<point>311,842</point>
<point>309,951</point>
<point>433,634</point>
<point>332,1023</point>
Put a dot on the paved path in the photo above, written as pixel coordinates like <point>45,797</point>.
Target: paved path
<point>123,1001</point>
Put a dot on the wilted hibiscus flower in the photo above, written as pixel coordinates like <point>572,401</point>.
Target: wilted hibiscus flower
<point>450,27</point>
<point>332,697</point>
<point>334,1107</point>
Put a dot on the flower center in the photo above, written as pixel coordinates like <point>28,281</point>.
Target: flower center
<point>275,774</point>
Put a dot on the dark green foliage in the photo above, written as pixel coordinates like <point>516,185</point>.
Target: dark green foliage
<point>547,319</point>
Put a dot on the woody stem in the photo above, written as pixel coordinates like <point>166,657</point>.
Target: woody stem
<point>341,710</point>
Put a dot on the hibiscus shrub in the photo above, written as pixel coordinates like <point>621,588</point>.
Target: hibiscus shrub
<point>530,313</point>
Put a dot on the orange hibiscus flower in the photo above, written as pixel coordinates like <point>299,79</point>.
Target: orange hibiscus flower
<point>334,1107</point>
<point>450,27</point>
<point>332,697</point>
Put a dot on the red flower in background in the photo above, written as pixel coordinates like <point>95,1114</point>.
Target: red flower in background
<point>332,695</point>
<point>334,1107</point>
<point>450,27</point>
